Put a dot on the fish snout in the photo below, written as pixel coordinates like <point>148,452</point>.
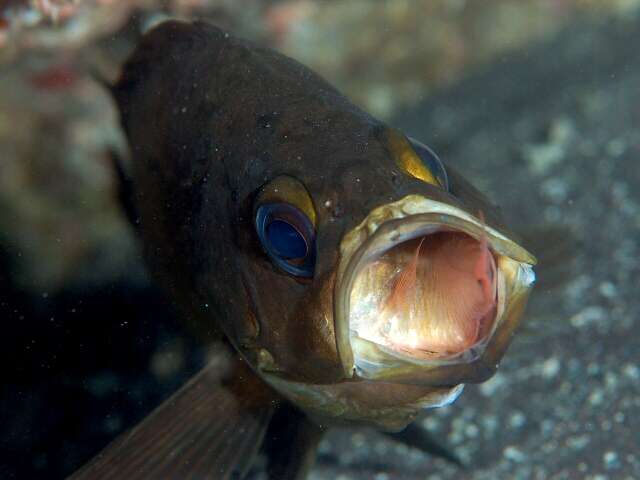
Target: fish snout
<point>427,293</point>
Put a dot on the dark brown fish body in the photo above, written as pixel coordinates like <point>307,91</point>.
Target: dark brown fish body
<point>219,128</point>
<point>211,119</point>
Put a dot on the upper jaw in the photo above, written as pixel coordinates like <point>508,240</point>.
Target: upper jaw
<point>394,223</point>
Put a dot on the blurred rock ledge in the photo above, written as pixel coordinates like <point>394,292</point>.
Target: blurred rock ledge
<point>59,218</point>
<point>384,54</point>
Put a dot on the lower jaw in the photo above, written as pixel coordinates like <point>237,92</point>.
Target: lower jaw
<point>385,405</point>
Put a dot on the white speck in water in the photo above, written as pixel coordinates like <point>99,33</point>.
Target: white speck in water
<point>327,204</point>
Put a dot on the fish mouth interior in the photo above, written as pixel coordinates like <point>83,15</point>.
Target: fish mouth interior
<point>432,296</point>
<point>423,284</point>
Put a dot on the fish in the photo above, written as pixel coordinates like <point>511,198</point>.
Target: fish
<point>345,273</point>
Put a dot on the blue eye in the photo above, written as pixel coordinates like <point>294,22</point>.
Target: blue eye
<point>431,161</point>
<point>286,241</point>
<point>288,238</point>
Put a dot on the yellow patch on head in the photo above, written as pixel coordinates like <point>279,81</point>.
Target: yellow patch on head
<point>289,190</point>
<point>407,159</point>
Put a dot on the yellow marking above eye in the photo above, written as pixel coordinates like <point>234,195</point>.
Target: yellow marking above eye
<point>408,160</point>
<point>289,190</point>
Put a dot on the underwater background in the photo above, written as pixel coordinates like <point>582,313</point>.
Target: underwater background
<point>536,102</point>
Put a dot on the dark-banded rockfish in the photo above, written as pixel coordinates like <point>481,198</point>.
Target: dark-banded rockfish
<point>354,274</point>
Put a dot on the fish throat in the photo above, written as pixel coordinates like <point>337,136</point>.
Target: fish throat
<point>434,296</point>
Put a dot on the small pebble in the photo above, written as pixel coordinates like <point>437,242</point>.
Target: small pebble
<point>491,386</point>
<point>471,431</point>
<point>597,397</point>
<point>514,454</point>
<point>610,460</point>
<point>517,420</point>
<point>550,368</point>
<point>608,290</point>
<point>631,371</point>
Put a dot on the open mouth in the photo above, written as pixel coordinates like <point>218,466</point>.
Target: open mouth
<point>423,284</point>
<point>430,297</point>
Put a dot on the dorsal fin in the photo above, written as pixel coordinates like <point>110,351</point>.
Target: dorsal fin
<point>209,429</point>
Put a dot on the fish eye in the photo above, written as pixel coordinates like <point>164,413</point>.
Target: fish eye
<point>432,162</point>
<point>288,237</point>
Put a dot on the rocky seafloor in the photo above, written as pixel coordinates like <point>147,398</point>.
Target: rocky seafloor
<point>549,130</point>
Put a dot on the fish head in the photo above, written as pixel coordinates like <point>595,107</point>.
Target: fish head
<point>430,287</point>
<point>357,273</point>
<point>380,272</point>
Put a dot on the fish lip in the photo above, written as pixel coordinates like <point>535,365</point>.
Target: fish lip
<point>391,224</point>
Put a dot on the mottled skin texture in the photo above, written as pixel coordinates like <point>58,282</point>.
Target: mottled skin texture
<point>210,119</point>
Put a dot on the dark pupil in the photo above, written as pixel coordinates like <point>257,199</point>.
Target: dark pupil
<point>285,240</point>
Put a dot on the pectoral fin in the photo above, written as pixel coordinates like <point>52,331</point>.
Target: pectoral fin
<point>291,444</point>
<point>415,436</point>
<point>209,429</point>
